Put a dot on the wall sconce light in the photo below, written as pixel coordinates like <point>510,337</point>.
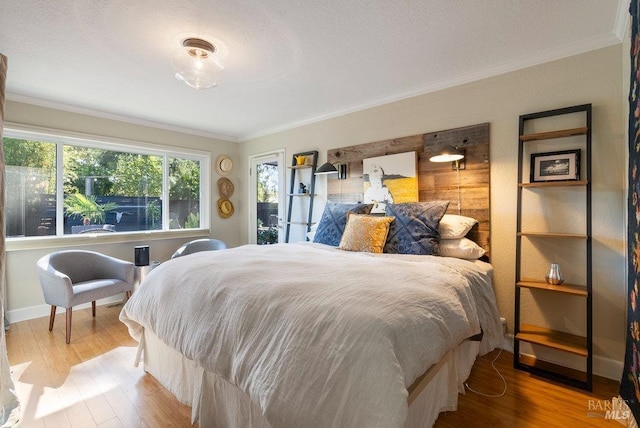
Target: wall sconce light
<point>326,168</point>
<point>455,155</point>
<point>197,64</point>
<point>329,168</point>
<point>452,154</point>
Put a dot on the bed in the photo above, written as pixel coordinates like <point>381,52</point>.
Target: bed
<point>344,331</point>
<point>306,334</point>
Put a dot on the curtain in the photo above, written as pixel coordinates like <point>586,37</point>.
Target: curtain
<point>10,405</point>
<point>630,384</point>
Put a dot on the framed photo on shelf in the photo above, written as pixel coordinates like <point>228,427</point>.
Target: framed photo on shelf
<point>555,166</point>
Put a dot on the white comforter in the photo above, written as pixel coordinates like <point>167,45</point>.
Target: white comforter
<point>313,335</point>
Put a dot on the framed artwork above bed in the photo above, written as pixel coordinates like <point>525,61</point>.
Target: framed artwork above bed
<point>390,179</point>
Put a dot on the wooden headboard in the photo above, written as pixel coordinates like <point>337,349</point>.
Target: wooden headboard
<point>435,180</point>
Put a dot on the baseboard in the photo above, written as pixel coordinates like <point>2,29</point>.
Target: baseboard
<point>40,311</point>
<point>507,343</point>
<point>602,366</point>
<point>608,367</point>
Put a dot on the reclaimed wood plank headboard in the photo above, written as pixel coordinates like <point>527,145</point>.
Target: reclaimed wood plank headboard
<point>435,180</point>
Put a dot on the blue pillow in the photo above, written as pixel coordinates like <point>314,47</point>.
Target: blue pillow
<point>415,230</point>
<point>334,219</point>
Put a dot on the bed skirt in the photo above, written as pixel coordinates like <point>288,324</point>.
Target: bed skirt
<point>216,402</point>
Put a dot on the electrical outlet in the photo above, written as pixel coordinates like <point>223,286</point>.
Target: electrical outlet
<point>503,321</point>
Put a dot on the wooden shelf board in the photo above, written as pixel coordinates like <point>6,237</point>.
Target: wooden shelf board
<point>554,134</point>
<point>565,372</point>
<point>555,184</point>
<point>552,235</point>
<point>578,290</point>
<point>299,166</point>
<point>553,339</point>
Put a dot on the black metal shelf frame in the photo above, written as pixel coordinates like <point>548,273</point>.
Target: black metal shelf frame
<point>587,382</point>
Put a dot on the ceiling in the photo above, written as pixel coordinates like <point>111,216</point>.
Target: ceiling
<point>288,62</point>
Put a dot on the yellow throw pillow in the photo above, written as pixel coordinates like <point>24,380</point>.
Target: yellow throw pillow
<point>365,233</point>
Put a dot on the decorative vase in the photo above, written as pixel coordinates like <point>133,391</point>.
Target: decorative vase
<point>554,277</point>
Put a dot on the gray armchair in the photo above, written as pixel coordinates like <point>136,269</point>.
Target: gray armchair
<point>199,245</point>
<point>72,277</point>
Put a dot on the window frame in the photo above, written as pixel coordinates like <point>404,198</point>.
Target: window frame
<point>60,138</point>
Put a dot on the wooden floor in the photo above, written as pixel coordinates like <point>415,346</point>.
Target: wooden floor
<point>530,401</point>
<point>89,383</point>
<point>92,382</point>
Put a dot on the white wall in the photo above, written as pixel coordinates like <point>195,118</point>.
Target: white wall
<point>24,296</point>
<point>593,77</point>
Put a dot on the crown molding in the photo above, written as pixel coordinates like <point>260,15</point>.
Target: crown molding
<point>118,117</point>
<point>622,19</point>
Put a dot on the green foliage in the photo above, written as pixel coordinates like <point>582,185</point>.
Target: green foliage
<point>139,175</point>
<point>267,176</point>
<point>192,222</point>
<point>268,236</point>
<point>87,207</point>
<point>113,173</point>
<point>29,153</point>
<point>33,154</point>
<point>184,179</point>
<point>153,212</point>
<point>81,163</point>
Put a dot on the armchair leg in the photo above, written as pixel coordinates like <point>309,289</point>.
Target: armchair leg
<point>128,293</point>
<point>52,317</point>
<point>69,325</point>
<point>93,308</point>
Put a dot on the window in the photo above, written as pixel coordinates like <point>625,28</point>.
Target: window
<point>57,185</point>
<point>30,187</point>
<point>184,193</point>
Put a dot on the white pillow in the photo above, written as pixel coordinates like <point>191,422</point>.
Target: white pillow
<point>455,226</point>
<point>461,248</point>
<point>312,232</point>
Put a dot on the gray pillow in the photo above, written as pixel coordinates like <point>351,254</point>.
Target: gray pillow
<point>415,230</point>
<point>334,219</point>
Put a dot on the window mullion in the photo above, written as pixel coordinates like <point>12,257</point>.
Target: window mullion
<point>59,189</point>
<point>165,193</point>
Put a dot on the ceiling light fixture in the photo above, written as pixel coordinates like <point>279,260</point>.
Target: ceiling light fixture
<point>197,64</point>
